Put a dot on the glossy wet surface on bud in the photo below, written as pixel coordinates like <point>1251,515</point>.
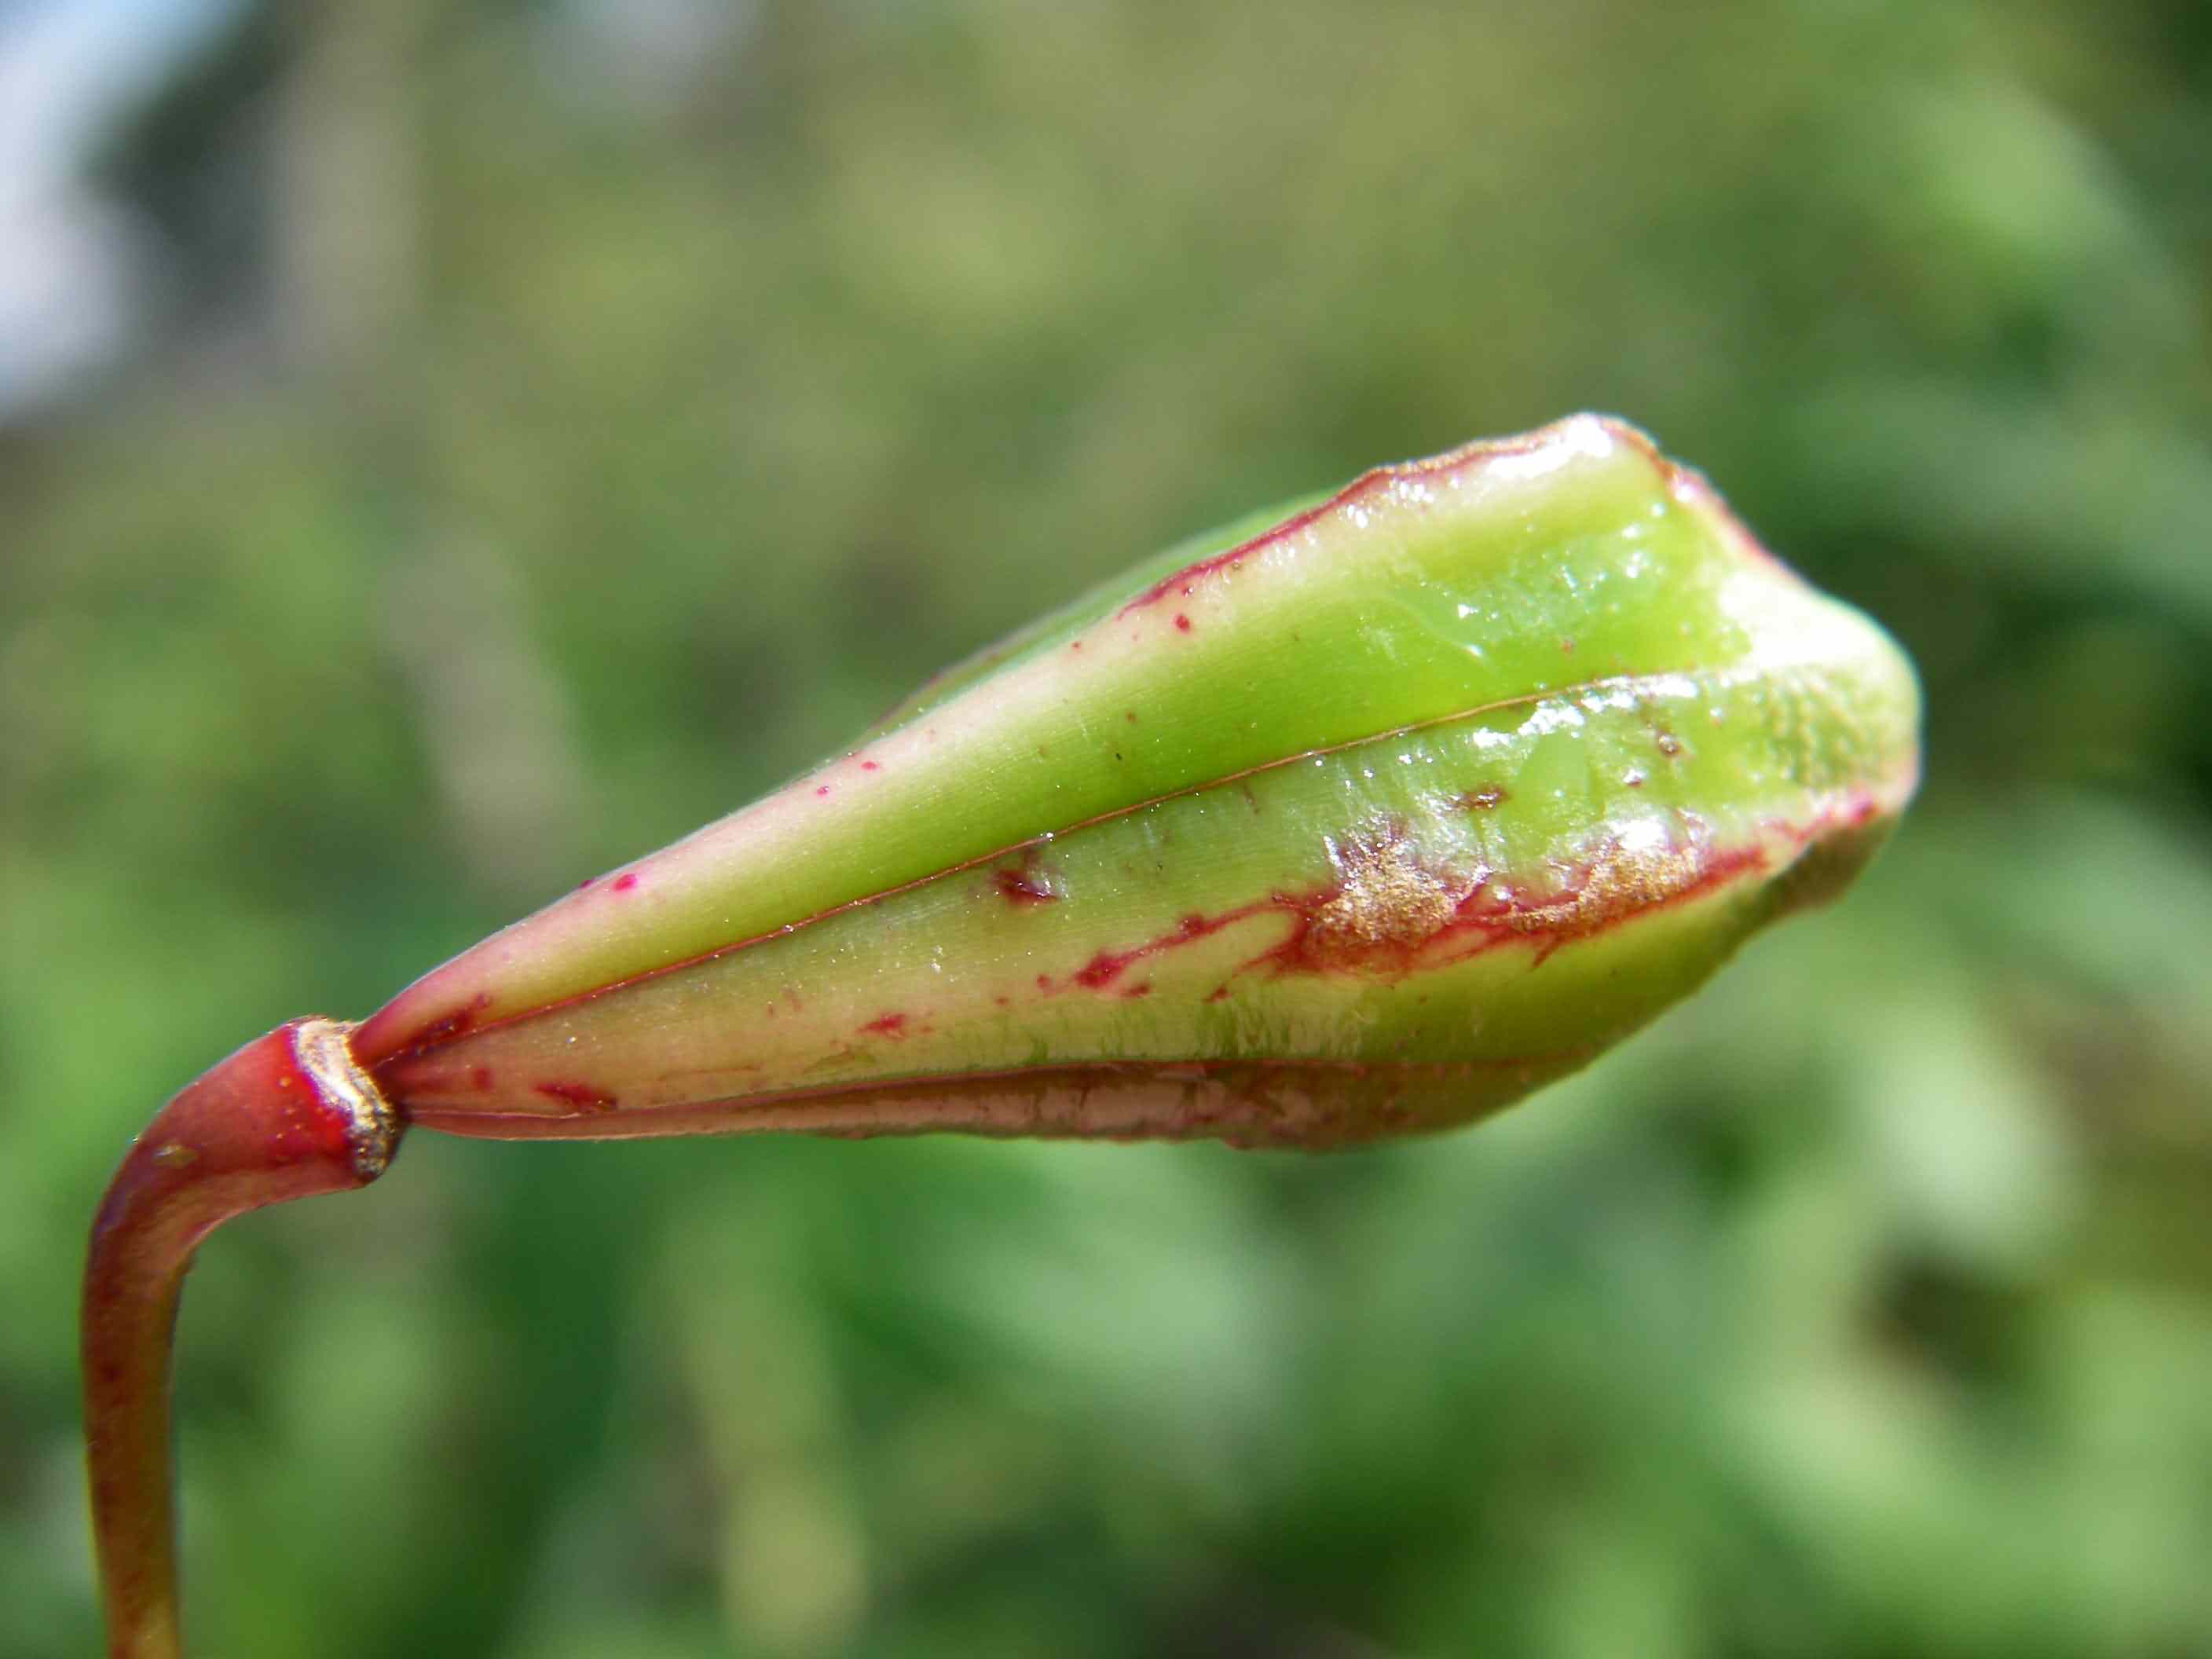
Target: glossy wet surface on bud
<point>1370,819</point>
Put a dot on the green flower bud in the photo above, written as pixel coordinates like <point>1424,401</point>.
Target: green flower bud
<point>1366,817</point>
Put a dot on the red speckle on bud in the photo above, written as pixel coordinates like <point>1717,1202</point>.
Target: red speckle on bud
<point>1184,581</point>
<point>1018,887</point>
<point>581,1096</point>
<point>1025,883</point>
<point>428,1035</point>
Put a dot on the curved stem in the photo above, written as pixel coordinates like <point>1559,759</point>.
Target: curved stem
<point>288,1115</point>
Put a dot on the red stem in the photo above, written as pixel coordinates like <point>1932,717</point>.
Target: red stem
<point>288,1115</point>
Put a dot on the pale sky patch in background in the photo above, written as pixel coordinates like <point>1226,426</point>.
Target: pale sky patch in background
<point>67,67</point>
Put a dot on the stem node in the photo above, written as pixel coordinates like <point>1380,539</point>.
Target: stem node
<point>288,1115</point>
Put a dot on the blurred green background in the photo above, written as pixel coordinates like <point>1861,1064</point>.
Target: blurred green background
<point>533,429</point>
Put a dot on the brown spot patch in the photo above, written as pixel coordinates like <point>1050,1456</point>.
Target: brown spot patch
<point>1386,907</point>
<point>1484,800</point>
<point>1386,900</point>
<point>1392,911</point>
<point>1617,882</point>
<point>1621,881</point>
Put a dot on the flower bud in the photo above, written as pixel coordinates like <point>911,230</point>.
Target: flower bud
<point>1364,817</point>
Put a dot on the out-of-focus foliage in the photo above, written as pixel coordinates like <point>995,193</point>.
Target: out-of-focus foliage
<point>568,420</point>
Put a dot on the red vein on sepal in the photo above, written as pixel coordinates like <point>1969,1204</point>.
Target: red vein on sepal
<point>1381,478</point>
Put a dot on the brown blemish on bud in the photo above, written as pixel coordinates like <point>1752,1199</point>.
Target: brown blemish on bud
<point>1385,901</point>
<point>1392,910</point>
<point>1386,905</point>
<point>1483,799</point>
<point>1622,881</point>
<point>1615,883</point>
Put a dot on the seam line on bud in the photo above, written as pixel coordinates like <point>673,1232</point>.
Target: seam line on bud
<point>1707,679</point>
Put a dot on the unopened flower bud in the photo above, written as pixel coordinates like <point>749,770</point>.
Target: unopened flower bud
<point>1363,817</point>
